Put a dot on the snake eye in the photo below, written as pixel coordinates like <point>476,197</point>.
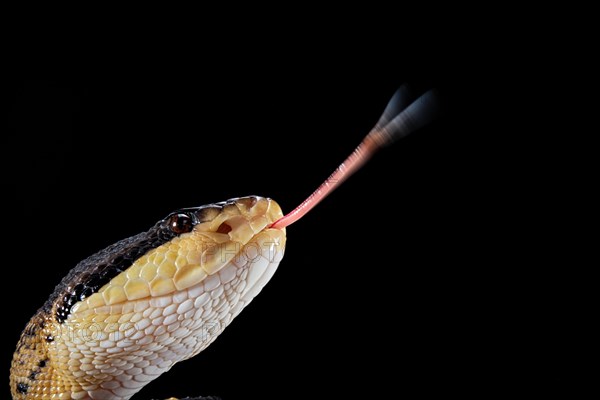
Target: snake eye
<point>181,223</point>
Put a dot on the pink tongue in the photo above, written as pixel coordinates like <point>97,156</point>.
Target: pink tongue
<point>353,163</point>
<point>399,118</point>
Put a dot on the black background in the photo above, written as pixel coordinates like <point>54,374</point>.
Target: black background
<point>394,283</point>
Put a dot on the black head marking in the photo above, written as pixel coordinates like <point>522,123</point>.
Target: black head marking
<point>96,271</point>
<point>22,387</point>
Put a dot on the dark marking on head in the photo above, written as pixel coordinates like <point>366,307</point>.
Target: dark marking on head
<point>34,373</point>
<point>22,387</point>
<point>96,271</point>
<point>30,330</point>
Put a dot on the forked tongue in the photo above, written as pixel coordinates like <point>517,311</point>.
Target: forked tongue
<point>400,117</point>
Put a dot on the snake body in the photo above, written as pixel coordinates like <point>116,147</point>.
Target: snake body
<point>128,313</point>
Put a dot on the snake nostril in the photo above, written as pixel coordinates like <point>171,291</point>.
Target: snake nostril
<point>224,228</point>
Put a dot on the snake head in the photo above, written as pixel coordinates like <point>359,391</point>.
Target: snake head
<point>131,311</point>
<point>205,241</point>
<point>159,297</point>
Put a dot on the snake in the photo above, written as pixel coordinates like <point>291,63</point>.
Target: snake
<point>128,313</point>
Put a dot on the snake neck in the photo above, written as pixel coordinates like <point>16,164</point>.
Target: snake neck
<point>32,369</point>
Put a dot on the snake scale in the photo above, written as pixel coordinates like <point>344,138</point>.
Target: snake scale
<point>127,314</point>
